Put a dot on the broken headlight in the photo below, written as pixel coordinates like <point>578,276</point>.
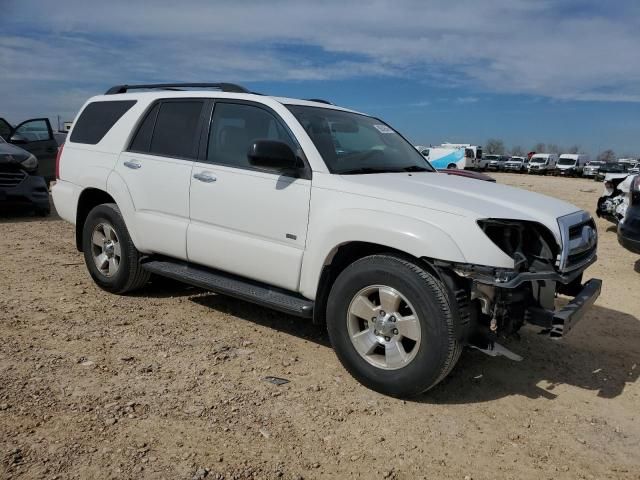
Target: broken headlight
<point>530,244</point>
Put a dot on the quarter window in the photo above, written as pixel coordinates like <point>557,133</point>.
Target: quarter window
<point>97,119</point>
<point>235,127</point>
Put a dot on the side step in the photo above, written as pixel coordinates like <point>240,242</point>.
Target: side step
<point>234,286</point>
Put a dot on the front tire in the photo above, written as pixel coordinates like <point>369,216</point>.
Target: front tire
<point>109,253</point>
<point>392,325</point>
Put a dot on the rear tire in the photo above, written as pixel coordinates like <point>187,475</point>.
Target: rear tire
<point>451,166</point>
<point>399,359</point>
<point>109,253</point>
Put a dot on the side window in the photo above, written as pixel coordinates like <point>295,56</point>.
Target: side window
<point>176,129</point>
<point>97,119</point>
<point>235,127</point>
<point>34,131</point>
<point>142,140</point>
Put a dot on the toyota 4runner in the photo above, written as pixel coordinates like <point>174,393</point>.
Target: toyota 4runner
<point>319,212</point>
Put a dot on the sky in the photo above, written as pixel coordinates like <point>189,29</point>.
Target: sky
<point>554,71</point>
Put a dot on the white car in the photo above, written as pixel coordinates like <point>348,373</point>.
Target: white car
<point>542,163</point>
<point>320,212</point>
<point>516,164</point>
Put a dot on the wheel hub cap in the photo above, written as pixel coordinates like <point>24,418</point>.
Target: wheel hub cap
<point>384,327</point>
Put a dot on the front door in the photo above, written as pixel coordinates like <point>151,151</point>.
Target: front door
<point>245,220</point>
<point>36,136</point>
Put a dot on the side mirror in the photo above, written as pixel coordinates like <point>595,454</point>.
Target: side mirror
<point>18,139</point>
<point>272,155</point>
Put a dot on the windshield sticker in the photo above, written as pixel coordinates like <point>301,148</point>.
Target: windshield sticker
<point>383,129</point>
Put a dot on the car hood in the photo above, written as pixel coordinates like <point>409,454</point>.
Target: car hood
<point>459,196</point>
<point>8,150</point>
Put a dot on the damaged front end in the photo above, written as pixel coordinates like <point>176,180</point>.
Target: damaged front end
<point>501,300</point>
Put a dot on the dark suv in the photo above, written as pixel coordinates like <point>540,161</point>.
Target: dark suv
<point>20,184</point>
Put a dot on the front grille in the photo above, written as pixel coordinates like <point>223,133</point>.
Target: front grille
<point>11,179</point>
<point>579,241</point>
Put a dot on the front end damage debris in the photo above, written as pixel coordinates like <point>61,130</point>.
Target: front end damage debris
<point>502,300</point>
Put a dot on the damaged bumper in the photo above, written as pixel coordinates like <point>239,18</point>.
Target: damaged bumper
<point>559,322</point>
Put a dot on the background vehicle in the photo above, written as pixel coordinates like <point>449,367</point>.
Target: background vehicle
<point>35,136</point>
<point>19,186</point>
<point>495,162</point>
<point>620,204</point>
<point>591,168</point>
<point>542,163</point>
<point>611,170</point>
<point>516,164</point>
<point>453,155</point>
<point>571,164</point>
<point>346,223</point>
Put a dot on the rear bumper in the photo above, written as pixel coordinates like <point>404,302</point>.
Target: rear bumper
<point>629,230</point>
<point>32,192</point>
<point>559,322</point>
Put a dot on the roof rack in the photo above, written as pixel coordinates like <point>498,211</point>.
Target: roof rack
<point>319,100</point>
<point>225,87</point>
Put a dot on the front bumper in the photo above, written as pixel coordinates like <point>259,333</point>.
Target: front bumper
<point>31,192</point>
<point>559,322</point>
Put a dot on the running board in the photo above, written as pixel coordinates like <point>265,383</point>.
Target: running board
<point>233,285</point>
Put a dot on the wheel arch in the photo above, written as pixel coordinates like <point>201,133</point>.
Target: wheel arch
<point>344,255</point>
<point>89,198</point>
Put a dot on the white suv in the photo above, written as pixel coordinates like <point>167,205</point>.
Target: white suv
<point>320,212</point>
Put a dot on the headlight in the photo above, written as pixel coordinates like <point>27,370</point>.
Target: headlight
<point>528,243</point>
<point>30,163</point>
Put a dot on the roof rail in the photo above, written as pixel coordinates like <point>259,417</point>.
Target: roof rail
<point>225,87</point>
<point>319,100</point>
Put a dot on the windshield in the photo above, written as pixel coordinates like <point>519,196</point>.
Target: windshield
<point>351,143</point>
<point>566,161</point>
<point>538,160</point>
<point>517,159</point>
<point>595,164</point>
<point>491,157</point>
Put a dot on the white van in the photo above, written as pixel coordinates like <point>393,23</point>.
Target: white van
<point>452,155</point>
<point>543,163</point>
<point>571,164</point>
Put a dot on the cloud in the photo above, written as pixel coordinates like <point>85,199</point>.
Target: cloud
<point>566,50</point>
<point>463,100</point>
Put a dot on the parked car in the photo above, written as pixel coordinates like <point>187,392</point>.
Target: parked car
<point>571,164</point>
<point>321,212</point>
<point>20,187</point>
<point>542,163</point>
<point>495,162</point>
<point>620,204</point>
<point>591,168</point>
<point>516,164</point>
<point>37,137</point>
<point>611,170</point>
<point>635,168</point>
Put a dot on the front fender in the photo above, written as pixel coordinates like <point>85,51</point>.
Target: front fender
<point>415,237</point>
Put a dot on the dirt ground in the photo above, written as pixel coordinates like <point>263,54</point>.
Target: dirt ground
<point>169,383</point>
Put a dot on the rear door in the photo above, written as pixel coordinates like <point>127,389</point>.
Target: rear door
<point>157,170</point>
<point>36,136</point>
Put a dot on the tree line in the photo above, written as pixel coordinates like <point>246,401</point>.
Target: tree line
<point>495,146</point>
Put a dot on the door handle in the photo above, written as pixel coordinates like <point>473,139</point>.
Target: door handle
<point>132,164</point>
<point>204,177</point>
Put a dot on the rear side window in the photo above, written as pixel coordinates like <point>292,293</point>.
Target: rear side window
<point>176,132</point>
<point>97,119</point>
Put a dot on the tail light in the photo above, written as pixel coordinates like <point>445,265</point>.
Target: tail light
<point>58,155</point>
<point>635,191</point>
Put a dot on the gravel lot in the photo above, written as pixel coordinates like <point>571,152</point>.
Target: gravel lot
<point>169,383</point>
